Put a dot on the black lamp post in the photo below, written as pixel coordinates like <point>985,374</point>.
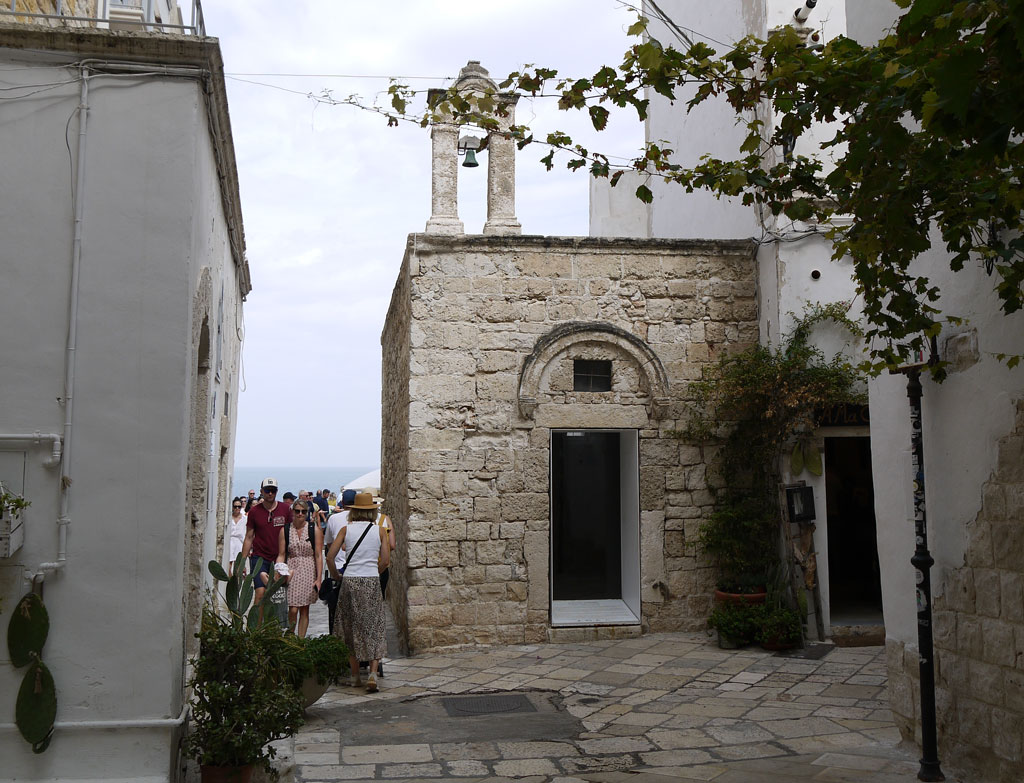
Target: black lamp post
<point>922,562</point>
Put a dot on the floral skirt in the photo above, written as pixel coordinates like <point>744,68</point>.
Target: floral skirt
<point>360,617</point>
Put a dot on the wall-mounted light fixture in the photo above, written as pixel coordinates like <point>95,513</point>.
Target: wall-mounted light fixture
<point>800,501</point>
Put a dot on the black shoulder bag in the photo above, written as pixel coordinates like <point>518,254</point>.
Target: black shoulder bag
<point>327,586</point>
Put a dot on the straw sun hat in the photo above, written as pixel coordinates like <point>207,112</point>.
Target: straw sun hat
<point>363,500</point>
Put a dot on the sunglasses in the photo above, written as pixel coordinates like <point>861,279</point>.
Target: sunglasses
<point>236,507</point>
<point>269,490</point>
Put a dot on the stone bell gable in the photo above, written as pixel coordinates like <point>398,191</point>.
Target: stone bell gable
<point>502,351</point>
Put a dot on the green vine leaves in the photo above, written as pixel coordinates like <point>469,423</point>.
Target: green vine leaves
<point>927,148</point>
<point>758,402</point>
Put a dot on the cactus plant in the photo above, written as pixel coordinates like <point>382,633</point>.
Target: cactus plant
<point>36,706</point>
<point>27,630</point>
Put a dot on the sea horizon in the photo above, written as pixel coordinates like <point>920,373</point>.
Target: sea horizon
<point>313,477</point>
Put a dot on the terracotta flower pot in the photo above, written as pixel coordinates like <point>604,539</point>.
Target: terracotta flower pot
<point>741,598</point>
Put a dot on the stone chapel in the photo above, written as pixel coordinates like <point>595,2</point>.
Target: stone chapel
<point>532,387</point>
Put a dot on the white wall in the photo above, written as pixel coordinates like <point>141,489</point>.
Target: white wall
<point>963,418</point>
<point>151,221</point>
<point>616,211</point>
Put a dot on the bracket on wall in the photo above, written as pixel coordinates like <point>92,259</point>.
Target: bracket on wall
<point>527,406</point>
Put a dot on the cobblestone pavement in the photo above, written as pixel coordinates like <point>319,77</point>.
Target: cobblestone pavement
<point>644,710</point>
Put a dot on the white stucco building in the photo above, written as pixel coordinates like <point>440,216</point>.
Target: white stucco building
<point>972,423</point>
<point>123,277</point>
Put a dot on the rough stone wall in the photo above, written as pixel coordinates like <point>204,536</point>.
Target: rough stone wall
<point>196,484</point>
<point>474,545</point>
<point>979,637</point>
<point>395,342</point>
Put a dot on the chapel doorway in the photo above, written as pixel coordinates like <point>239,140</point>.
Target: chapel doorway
<point>854,577</point>
<point>595,527</point>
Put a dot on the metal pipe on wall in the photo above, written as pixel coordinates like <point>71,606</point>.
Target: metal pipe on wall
<point>37,437</point>
<point>64,517</point>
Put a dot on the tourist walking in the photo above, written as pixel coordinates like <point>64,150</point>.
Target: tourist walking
<point>303,544</point>
<point>320,500</point>
<point>337,521</point>
<point>235,531</point>
<point>361,608</point>
<point>264,537</point>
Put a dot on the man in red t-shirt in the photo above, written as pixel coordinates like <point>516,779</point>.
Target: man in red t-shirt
<point>264,535</point>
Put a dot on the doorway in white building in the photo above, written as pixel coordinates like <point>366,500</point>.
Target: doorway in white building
<point>854,579</point>
<point>595,527</point>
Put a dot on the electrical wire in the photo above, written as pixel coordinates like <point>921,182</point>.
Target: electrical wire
<point>34,92</point>
<point>341,76</point>
<point>41,84</point>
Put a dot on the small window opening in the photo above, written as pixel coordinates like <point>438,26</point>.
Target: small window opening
<point>593,375</point>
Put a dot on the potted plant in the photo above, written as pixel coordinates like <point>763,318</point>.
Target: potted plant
<point>740,539</point>
<point>779,628</point>
<point>318,663</point>
<point>11,503</point>
<point>12,532</point>
<point>754,406</point>
<point>737,623</point>
<point>242,694</point>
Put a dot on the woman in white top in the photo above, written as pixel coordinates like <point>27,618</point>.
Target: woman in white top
<point>236,531</point>
<point>360,606</point>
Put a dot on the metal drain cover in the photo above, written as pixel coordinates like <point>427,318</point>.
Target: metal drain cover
<point>467,706</point>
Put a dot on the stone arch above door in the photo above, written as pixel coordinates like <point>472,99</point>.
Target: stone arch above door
<point>565,336</point>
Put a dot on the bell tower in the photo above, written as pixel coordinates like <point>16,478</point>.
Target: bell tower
<point>501,163</point>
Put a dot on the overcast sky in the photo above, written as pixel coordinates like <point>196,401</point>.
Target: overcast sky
<point>330,193</point>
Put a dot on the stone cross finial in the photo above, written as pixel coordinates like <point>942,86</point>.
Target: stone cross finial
<point>501,164</point>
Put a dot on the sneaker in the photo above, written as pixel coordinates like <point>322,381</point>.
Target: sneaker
<point>371,683</point>
<point>355,682</point>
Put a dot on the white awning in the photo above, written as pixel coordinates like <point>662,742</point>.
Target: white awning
<point>371,479</point>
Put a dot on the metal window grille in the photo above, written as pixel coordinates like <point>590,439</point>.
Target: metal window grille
<point>592,375</point>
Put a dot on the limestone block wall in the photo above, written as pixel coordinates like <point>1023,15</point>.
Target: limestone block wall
<point>395,342</point>
<point>979,636</point>
<point>478,349</point>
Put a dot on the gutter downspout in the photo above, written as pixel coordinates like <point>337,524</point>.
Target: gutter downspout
<point>64,519</point>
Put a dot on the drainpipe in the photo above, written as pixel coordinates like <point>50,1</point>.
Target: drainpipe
<point>804,11</point>
<point>64,518</point>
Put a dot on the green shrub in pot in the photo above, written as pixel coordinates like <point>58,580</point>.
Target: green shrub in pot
<point>243,697</point>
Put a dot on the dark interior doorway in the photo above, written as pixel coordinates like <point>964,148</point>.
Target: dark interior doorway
<point>854,577</point>
<point>585,515</point>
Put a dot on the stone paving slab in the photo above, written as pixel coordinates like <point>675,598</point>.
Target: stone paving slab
<point>646,710</point>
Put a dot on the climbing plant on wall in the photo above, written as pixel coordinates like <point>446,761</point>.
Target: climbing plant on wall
<point>755,405</point>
